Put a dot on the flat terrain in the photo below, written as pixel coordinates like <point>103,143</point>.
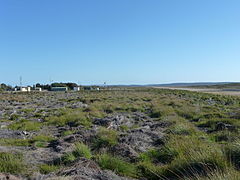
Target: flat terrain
<point>135,133</point>
<point>231,92</point>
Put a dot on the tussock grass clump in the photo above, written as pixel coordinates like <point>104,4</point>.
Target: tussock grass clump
<point>186,156</point>
<point>105,137</point>
<point>71,118</point>
<point>25,125</point>
<point>225,136</point>
<point>42,137</point>
<point>230,174</point>
<point>212,124</point>
<point>94,111</point>
<point>14,117</point>
<point>232,152</point>
<point>15,142</point>
<point>159,110</point>
<point>163,155</point>
<point>67,158</point>
<point>182,127</point>
<point>46,168</point>
<point>117,165</point>
<point>66,133</point>
<point>41,140</point>
<point>11,163</point>
<point>192,167</point>
<point>80,150</point>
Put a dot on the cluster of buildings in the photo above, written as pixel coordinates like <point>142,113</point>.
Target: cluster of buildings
<point>39,89</point>
<point>27,89</point>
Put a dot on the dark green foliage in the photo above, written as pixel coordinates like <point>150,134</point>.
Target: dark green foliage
<point>4,87</point>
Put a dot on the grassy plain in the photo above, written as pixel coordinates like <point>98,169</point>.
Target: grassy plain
<point>201,136</point>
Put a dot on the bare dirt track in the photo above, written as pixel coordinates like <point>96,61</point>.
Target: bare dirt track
<point>231,92</point>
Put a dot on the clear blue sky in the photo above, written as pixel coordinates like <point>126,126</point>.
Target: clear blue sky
<point>119,41</point>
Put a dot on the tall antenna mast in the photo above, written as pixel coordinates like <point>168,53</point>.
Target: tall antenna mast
<point>50,80</point>
<point>20,81</point>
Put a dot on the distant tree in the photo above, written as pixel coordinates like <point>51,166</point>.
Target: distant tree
<point>71,85</point>
<point>5,87</point>
<point>56,84</point>
<point>43,86</point>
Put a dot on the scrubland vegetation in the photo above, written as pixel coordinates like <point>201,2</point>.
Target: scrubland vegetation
<point>196,134</point>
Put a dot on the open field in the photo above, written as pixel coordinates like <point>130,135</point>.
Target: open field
<point>137,133</point>
<point>210,89</point>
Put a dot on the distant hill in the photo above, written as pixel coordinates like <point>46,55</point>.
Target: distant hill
<point>197,84</point>
<point>219,85</point>
<point>228,86</point>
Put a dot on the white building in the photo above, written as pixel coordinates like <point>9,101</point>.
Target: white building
<point>76,88</point>
<point>38,89</point>
<point>25,89</point>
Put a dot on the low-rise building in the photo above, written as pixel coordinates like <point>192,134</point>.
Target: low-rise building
<point>59,89</point>
<point>38,89</point>
<point>76,88</point>
<point>23,89</point>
